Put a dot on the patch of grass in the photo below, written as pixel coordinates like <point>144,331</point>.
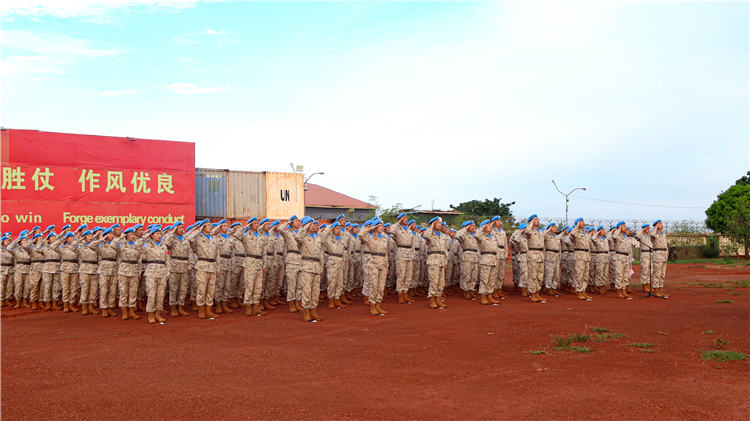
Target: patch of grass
<point>715,261</point>
<point>734,293</point>
<point>561,341</point>
<point>535,352</point>
<point>599,329</point>
<point>579,337</point>
<point>708,332</point>
<point>721,343</point>
<point>726,285</point>
<point>581,349</point>
<point>604,337</point>
<point>662,333</point>
<point>718,355</point>
<point>564,343</point>
<point>642,345</point>
<point>724,301</point>
<point>648,351</point>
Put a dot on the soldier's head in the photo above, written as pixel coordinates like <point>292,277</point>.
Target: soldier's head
<point>377,226</point>
<point>552,227</point>
<point>600,231</point>
<point>49,229</point>
<point>341,219</point>
<point>205,227</point>
<point>117,230</point>
<point>413,225</point>
<point>179,228</point>
<point>223,226</point>
<point>129,234</point>
<point>446,229</point>
<point>579,223</point>
<point>336,228</point>
<point>497,222</point>
<point>88,236</point>
<point>108,234</point>
<point>387,228</point>
<point>5,240</point>
<point>355,228</point>
<point>253,223</point>
<point>49,237</point>
<point>435,224</point>
<point>646,228</point>
<point>155,234</point>
<point>534,221</point>
<point>69,237</point>
<point>402,219</point>
<point>621,227</point>
<point>486,226</point>
<point>470,226</point>
<point>658,225</point>
<point>264,224</point>
<point>453,234</point>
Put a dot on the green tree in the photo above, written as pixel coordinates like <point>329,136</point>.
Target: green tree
<point>744,180</point>
<point>730,214</point>
<point>476,209</point>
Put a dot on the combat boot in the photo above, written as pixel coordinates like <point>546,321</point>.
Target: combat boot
<point>315,316</point>
<point>181,311</point>
<point>534,297</point>
<point>408,298</point>
<point>524,292</point>
<point>159,317</point>
<point>210,313</point>
<point>331,303</point>
<point>140,306</point>
<point>124,313</point>
<point>93,310</point>
<point>84,309</point>
<point>226,308</point>
<point>467,295</point>
<point>249,310</point>
<point>373,310</point>
<point>306,315</point>
<point>554,293</point>
<point>580,295</point>
<point>620,294</point>
<point>646,287</point>
<point>339,304</point>
<point>380,309</point>
<point>440,303</point>
<point>66,308</point>
<point>627,293</point>
<point>298,304</point>
<point>345,299</point>
<point>112,312</point>
<point>132,313</point>
<point>173,311</point>
<point>401,299</point>
<point>484,300</point>
<point>105,313</point>
<point>151,318</point>
<point>34,305</point>
<point>293,307</point>
<point>201,312</point>
<point>259,310</point>
<point>218,307</point>
<point>19,303</point>
<point>492,300</point>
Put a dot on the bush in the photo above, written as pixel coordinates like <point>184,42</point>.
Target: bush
<point>711,249</point>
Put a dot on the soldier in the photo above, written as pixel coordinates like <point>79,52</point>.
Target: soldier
<point>377,265</point>
<point>87,273</point>
<point>346,237</point>
<point>365,251</point>
<point>355,267</point>
<point>277,270</point>
<point>659,258</point>
<point>521,245</point>
<point>466,237</point>
<point>612,256</point>
<point>6,270</point>
<point>106,271</point>
<point>565,254</point>
<point>622,246</point>
<point>311,252</point>
<point>35,272</point>
<point>644,240</point>
<point>436,261</point>
<point>581,258</point>
<point>552,254</point>
<point>128,270</point>
<point>487,246</point>
<point>502,255</point>
<point>292,262</point>
<point>600,260</point>
<point>224,263</point>
<point>69,271</point>
<point>51,272</point>
<point>455,251</point>
<point>334,247</point>
<point>157,261</point>
<point>19,248</point>
<point>269,259</point>
<point>417,259</point>
<point>207,253</point>
<point>404,256</point>
<point>390,285</point>
<point>535,256</point>
<point>254,244</point>
<point>238,257</point>
<point>179,253</point>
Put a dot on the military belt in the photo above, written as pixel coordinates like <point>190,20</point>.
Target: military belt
<point>582,249</point>
<point>206,259</point>
<point>254,256</point>
<point>280,253</point>
<point>37,261</point>
<point>600,252</point>
<point>474,250</point>
<point>111,259</point>
<point>416,248</point>
<point>553,251</point>
<point>535,249</point>
<point>375,253</point>
<point>293,251</point>
<point>226,256</point>
<point>91,262</point>
<point>489,252</point>
<point>70,260</point>
<point>621,252</point>
<point>154,262</point>
<point>132,262</point>
<point>660,249</point>
<point>52,260</point>
<point>6,264</point>
<point>313,259</point>
<point>335,254</point>
<point>404,247</point>
<point>501,247</point>
<point>270,253</point>
<point>435,252</point>
<point>179,258</point>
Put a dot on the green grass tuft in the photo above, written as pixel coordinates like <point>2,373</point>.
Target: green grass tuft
<point>563,343</point>
<point>535,352</point>
<point>718,355</point>
<point>708,332</point>
<point>604,337</point>
<point>642,345</point>
<point>599,329</point>
<point>724,301</point>
<point>649,351</point>
<point>581,349</point>
<point>734,293</point>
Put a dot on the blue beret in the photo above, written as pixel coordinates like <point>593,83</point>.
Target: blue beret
<point>570,229</point>
<point>118,226</point>
<point>348,224</point>
<point>341,215</point>
<point>68,234</point>
<point>306,220</point>
<point>37,235</point>
<point>154,230</point>
<point>24,232</point>
<point>619,224</point>
<point>599,228</point>
<point>324,225</point>
<point>485,222</point>
<point>576,221</point>
<point>645,226</point>
<point>434,219</point>
<point>274,223</point>
<point>83,226</point>
<point>215,224</point>
<point>136,226</point>
<point>51,227</point>
<point>51,234</point>
<point>401,215</point>
<point>189,227</point>
<point>411,221</point>
<point>367,223</point>
<point>531,217</point>
<point>656,222</point>
<point>66,226</point>
<point>376,221</point>
<point>176,224</point>
<point>223,221</point>
<point>4,237</point>
<point>149,226</point>
<point>467,223</point>
<point>551,224</point>
<point>423,229</point>
<point>443,224</point>
<point>495,218</point>
<point>564,228</point>
<point>87,232</point>
<point>234,224</point>
<point>523,225</point>
<point>264,220</point>
<point>251,220</point>
<point>335,225</point>
<point>129,230</point>
<point>355,225</point>
<point>36,227</point>
<point>96,229</point>
<point>106,231</point>
<point>387,224</point>
<point>292,218</point>
<point>167,228</point>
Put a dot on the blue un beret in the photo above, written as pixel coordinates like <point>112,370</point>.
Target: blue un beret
<point>68,234</point>
<point>274,223</point>
<point>66,226</point>
<point>306,220</point>
<point>386,225</point>
<point>531,217</point>
<point>341,215</point>
<point>176,224</point>
<point>234,224</point>
<point>292,218</point>
<point>127,231</point>
<point>576,221</point>
<point>645,226</point>
<point>619,224</point>
<point>51,234</point>
<point>523,225</point>
<point>87,232</point>
<point>335,225</point>
<point>495,218</point>
<point>106,231</point>
<point>401,215</point>
<point>264,220</point>
<point>51,227</point>
<point>467,223</point>
<point>37,235</point>
<point>485,222</point>
<point>656,222</point>
<point>434,219</point>
<point>251,220</point>
<point>348,224</point>
<point>36,227</point>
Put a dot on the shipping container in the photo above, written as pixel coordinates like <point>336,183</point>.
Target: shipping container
<point>285,195</point>
<point>246,194</point>
<point>210,193</point>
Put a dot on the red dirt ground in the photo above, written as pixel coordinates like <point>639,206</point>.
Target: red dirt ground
<point>466,362</point>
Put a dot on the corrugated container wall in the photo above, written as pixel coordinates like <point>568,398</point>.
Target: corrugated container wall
<point>210,193</point>
<point>246,194</point>
<point>285,195</point>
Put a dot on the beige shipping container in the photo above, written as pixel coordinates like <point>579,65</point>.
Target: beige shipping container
<point>246,194</point>
<point>285,195</point>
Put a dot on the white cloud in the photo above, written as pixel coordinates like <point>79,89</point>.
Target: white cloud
<point>122,92</point>
<point>84,8</point>
<point>215,32</point>
<point>191,89</point>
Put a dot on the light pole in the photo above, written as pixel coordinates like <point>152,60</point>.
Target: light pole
<point>310,176</point>
<point>567,198</point>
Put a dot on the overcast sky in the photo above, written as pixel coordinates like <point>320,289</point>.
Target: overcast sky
<point>412,102</point>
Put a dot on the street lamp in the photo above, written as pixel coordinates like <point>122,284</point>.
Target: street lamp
<point>567,198</point>
<point>310,176</point>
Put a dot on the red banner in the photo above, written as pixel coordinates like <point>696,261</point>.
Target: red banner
<point>59,178</point>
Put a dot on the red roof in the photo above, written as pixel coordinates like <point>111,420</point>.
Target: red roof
<point>321,197</point>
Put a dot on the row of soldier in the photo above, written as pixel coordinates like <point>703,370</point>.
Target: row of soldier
<point>221,266</point>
